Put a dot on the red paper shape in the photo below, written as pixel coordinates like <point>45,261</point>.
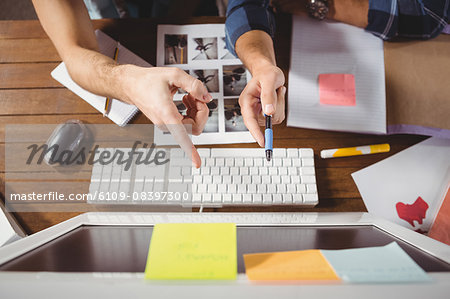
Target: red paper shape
<point>337,89</point>
<point>413,212</point>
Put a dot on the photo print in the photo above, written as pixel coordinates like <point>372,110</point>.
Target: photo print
<point>205,48</point>
<point>175,49</point>
<point>234,80</point>
<point>212,125</point>
<point>208,77</point>
<point>233,116</point>
<point>225,53</point>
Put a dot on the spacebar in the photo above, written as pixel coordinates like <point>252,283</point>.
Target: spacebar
<point>238,152</point>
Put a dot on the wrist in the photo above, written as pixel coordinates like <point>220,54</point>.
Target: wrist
<point>125,78</point>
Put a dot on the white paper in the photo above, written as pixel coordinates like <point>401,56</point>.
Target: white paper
<point>120,113</point>
<point>225,124</point>
<point>421,170</point>
<point>7,233</point>
<point>326,47</point>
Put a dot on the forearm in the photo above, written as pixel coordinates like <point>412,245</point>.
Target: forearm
<point>353,12</point>
<point>68,25</point>
<point>255,49</point>
<point>99,74</point>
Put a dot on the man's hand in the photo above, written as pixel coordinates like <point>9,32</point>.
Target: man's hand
<point>265,91</point>
<point>264,94</point>
<point>152,91</point>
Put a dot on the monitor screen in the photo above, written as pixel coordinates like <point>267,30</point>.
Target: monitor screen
<point>125,248</point>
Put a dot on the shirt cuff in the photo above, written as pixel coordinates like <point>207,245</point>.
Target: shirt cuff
<point>246,18</point>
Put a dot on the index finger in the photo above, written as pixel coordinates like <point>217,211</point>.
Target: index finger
<point>173,121</point>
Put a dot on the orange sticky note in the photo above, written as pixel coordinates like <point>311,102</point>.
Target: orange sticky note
<point>440,230</point>
<point>337,89</point>
<point>289,265</point>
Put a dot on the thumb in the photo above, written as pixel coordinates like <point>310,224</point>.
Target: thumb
<point>193,86</point>
<point>268,98</point>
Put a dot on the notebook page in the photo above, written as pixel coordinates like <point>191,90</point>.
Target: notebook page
<point>120,112</point>
<point>327,48</point>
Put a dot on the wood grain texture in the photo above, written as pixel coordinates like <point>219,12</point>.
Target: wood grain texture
<point>31,50</point>
<point>27,75</point>
<point>42,101</point>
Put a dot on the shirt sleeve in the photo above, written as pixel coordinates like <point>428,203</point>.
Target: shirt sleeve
<point>247,15</point>
<point>419,19</point>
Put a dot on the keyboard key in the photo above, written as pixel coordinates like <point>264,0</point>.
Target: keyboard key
<point>277,162</point>
<point>308,179</point>
<point>285,179</point>
<point>308,161</point>
<point>217,179</point>
<point>301,188</point>
<point>297,198</point>
<point>273,170</point>
<point>277,198</point>
<point>311,198</point>
<point>279,152</point>
<point>226,198</point>
<point>257,198</point>
<point>281,188</point>
<point>244,170</point>
<point>215,170</point>
<point>207,197</point>
<point>306,153</point>
<point>248,162</point>
<point>251,188</point>
<point>220,162</point>
<point>242,188</point>
<point>237,198</point>
<point>261,189</point>
<point>226,179</point>
<point>256,179</point>
<point>239,162</point>
<point>263,170</point>
<point>236,179</point>
<point>271,188</point>
<point>212,188</point>
<point>276,179</point>
<point>232,188</point>
<point>247,198</point>
<point>217,198</point>
<point>221,188</point>
<point>292,153</point>
<point>267,199</point>
<point>224,170</point>
<point>307,171</point>
<point>253,170</point>
<point>266,179</point>
<point>246,179</point>
<point>311,188</point>
<point>287,198</point>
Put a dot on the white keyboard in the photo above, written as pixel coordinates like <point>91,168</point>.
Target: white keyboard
<point>227,177</point>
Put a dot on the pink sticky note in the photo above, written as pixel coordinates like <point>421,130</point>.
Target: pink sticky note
<point>337,89</point>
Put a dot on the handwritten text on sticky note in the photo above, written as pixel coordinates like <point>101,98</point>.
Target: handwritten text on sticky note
<point>337,89</point>
<point>192,251</point>
<point>288,265</point>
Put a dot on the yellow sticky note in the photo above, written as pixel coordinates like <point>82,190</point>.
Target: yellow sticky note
<point>192,251</point>
<point>289,265</point>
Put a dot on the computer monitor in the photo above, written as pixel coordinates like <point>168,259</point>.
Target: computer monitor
<point>117,243</point>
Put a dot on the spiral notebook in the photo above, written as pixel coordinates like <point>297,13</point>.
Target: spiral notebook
<point>120,112</point>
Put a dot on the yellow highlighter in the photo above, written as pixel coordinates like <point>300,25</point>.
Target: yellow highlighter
<point>355,151</point>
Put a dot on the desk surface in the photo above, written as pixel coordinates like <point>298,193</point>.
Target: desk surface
<point>28,95</point>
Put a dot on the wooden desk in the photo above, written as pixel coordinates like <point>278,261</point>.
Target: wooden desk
<point>28,95</point>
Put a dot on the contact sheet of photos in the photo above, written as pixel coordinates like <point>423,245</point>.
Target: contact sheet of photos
<point>201,52</point>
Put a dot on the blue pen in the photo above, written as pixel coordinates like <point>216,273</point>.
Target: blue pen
<point>269,137</point>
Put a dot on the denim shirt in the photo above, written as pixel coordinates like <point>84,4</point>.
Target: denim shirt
<point>419,19</point>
